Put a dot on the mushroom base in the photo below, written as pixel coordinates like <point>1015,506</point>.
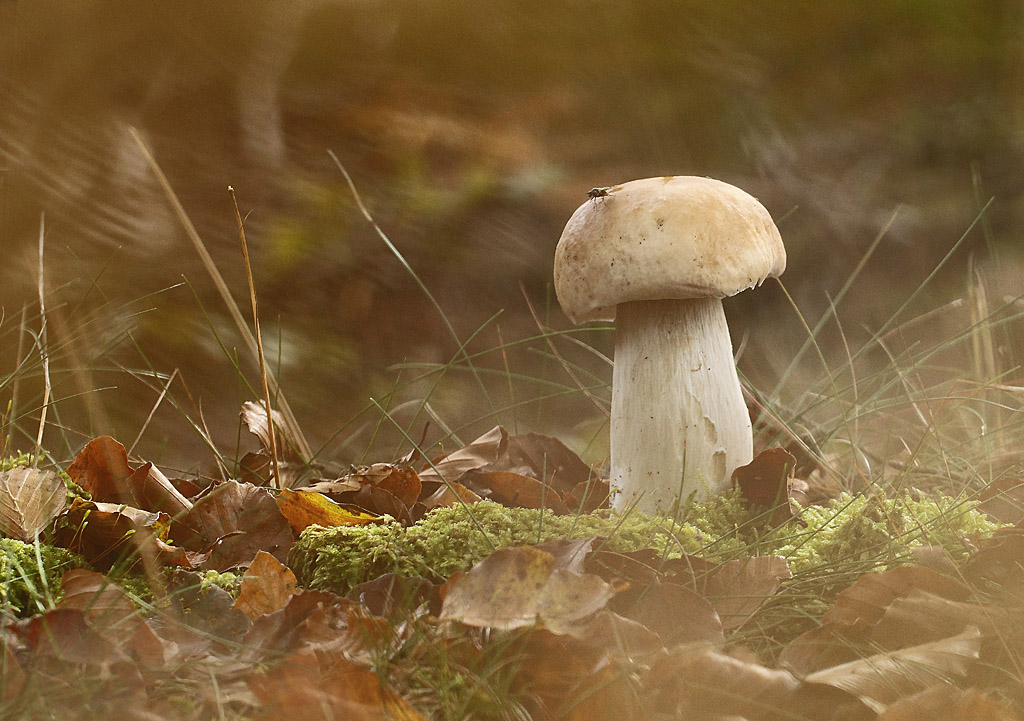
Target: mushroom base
<point>679,426</point>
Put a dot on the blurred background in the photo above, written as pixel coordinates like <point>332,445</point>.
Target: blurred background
<point>472,131</point>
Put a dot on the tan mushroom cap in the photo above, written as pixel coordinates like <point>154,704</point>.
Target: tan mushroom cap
<point>664,238</point>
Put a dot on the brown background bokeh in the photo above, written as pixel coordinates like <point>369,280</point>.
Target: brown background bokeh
<point>472,132</point>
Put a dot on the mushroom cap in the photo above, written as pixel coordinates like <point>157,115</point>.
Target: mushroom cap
<point>663,238</point>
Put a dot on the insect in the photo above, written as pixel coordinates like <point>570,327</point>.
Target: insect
<point>598,192</point>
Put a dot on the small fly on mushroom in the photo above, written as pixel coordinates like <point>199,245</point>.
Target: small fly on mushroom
<point>598,193</point>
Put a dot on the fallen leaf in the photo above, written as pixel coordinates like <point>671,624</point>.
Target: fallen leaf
<point>567,677</point>
<point>548,458</point>
<point>831,644</point>
<point>570,553</point>
<point>521,587</point>
<point>884,678</point>
<point>920,617</point>
<point>588,496</point>
<point>996,568</point>
<point>12,675</point>
<point>390,595</point>
<point>515,490</point>
<point>702,682</point>
<point>377,502</point>
<point>206,608</point>
<point>29,501</point>
<point>765,482</point>
<point>450,495</point>
<point>305,508</point>
<point>101,468</point>
<point>106,533</point>
<point>676,614</point>
<point>301,621</point>
<point>307,687</point>
<point>738,588</point>
<point>110,612</point>
<point>1003,499</point>
<point>947,703</point>
<point>484,450</point>
<point>64,635</point>
<point>400,481</point>
<point>871,594</point>
<point>267,586</point>
<point>735,589</point>
<point>290,462</point>
<point>234,521</point>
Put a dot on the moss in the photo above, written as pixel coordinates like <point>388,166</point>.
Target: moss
<point>447,540</point>
<point>851,536</point>
<point>230,582</point>
<point>827,547</point>
<point>30,574</point>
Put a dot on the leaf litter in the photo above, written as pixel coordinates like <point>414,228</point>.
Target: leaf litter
<point>185,587</point>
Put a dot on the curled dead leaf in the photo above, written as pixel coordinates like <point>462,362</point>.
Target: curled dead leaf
<point>101,468</point>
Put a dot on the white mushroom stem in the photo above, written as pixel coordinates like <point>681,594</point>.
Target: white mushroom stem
<point>679,425</point>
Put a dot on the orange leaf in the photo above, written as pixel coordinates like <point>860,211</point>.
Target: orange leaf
<point>267,586</point>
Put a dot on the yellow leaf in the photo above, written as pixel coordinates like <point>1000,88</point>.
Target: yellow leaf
<point>307,508</point>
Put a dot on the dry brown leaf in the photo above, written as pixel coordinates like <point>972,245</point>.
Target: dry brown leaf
<point>515,490</point>
<point>449,495</point>
<point>738,588</point>
<point>484,450</point>
<point>920,617</point>
<point>567,677</point>
<point>234,521</point>
<point>307,687</point>
<point>997,568</point>
<point>291,464</point>
<point>828,645</point>
<point>701,682</point>
<point>267,586</point>
<point>106,533</point>
<point>884,678</point>
<point>588,496</point>
<point>872,593</point>
<point>377,502</point>
<point>304,508</point>
<point>400,481</point>
<point>676,614</point>
<point>29,501</point>
<point>521,587</point>
<point>12,675</point>
<point>391,594</point>
<point>309,618</point>
<point>102,469</point>
<point>548,459</point>
<point>1003,499</point>
<point>944,702</point>
<point>110,613</point>
<point>765,482</point>
<point>63,635</point>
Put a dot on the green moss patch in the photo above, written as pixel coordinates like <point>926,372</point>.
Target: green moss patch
<point>30,575</point>
<point>827,546</point>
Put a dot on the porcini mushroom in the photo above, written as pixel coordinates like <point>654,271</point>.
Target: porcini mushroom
<point>657,256</point>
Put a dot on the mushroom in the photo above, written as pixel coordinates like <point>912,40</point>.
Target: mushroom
<point>657,256</point>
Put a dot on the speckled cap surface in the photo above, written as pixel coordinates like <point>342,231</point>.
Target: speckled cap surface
<point>663,238</point>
